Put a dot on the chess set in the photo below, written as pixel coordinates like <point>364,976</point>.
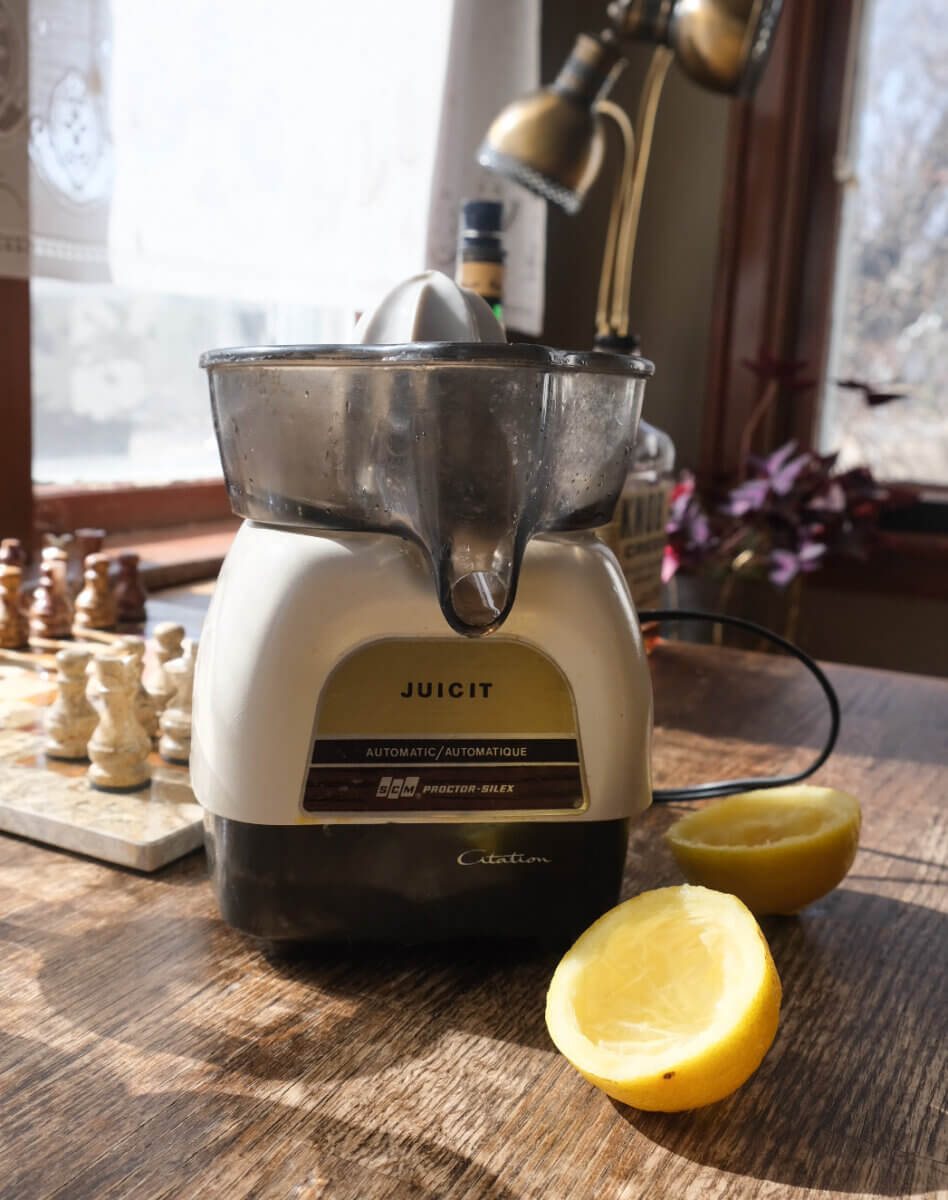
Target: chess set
<point>95,721</point>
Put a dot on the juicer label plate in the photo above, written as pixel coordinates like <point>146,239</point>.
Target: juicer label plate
<point>407,726</point>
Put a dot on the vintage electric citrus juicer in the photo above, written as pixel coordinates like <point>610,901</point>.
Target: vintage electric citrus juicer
<point>422,707</point>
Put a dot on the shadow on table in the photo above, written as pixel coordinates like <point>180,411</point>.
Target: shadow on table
<point>176,1142</point>
<point>328,1014</point>
<point>848,1094</point>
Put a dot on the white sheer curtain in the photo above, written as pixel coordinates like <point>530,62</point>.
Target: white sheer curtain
<point>304,151</point>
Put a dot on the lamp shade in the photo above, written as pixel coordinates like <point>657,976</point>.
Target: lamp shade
<point>547,144</point>
<point>720,44</point>
<point>552,141</point>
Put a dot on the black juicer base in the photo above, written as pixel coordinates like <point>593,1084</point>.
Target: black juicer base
<point>409,883</point>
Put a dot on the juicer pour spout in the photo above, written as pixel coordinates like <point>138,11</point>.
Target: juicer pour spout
<point>476,588</point>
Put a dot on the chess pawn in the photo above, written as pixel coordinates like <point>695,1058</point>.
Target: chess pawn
<point>129,590</point>
<point>14,627</point>
<point>71,719</point>
<point>119,747</point>
<point>169,639</point>
<point>95,604</point>
<point>175,743</point>
<point>51,611</point>
<point>145,711</point>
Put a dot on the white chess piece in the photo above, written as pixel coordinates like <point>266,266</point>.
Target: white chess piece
<point>175,743</point>
<point>93,684</point>
<point>169,645</point>
<point>71,719</point>
<point>119,747</point>
<point>145,710</point>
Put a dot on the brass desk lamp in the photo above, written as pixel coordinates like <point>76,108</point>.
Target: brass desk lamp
<point>553,143</point>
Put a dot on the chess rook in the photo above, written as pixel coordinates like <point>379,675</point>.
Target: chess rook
<point>169,645</point>
<point>95,604</point>
<point>14,627</point>
<point>145,711</point>
<point>85,542</point>
<point>130,592</point>
<point>89,541</point>
<point>70,720</point>
<point>175,743</point>
<point>119,747</point>
<point>51,612</point>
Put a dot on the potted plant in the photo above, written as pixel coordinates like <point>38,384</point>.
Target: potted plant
<point>788,513</point>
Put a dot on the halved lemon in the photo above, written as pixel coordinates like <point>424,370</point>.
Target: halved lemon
<point>668,1001</point>
<point>777,849</point>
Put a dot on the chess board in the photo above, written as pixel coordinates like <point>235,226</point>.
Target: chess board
<point>53,802</point>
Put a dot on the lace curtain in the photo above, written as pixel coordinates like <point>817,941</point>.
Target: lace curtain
<point>310,152</point>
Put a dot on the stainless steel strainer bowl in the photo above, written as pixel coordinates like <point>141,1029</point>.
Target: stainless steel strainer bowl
<point>466,449</point>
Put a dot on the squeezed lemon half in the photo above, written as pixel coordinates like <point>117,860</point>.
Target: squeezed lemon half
<point>778,849</point>
<point>668,1001</point>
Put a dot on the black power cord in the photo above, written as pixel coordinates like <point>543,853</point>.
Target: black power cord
<point>728,787</point>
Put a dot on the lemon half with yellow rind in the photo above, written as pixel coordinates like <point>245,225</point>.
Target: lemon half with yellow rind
<point>668,1001</point>
<point>778,849</point>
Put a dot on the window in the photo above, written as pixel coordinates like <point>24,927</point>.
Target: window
<point>891,318</point>
<point>792,251</point>
<point>117,393</point>
<point>172,181</point>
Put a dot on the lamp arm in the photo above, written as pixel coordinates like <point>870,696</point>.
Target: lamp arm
<point>632,207</point>
<point>620,189</point>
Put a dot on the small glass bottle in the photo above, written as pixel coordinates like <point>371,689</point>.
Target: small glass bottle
<point>636,534</point>
<point>480,259</point>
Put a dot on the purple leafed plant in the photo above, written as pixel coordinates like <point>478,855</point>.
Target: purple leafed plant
<point>791,514</point>
<point>783,521</point>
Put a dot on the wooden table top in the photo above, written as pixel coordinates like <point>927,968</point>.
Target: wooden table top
<point>148,1050</point>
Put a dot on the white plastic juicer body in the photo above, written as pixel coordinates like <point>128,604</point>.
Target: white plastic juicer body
<point>289,606</point>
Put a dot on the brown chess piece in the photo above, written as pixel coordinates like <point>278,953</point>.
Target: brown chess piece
<point>12,552</point>
<point>130,592</point>
<point>14,627</point>
<point>51,611</point>
<point>86,542</point>
<point>89,541</point>
<point>95,604</point>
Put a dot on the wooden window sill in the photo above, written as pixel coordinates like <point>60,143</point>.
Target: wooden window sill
<point>898,563</point>
<point>179,554</point>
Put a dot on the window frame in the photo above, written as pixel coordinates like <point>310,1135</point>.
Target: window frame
<point>16,461</point>
<point>780,223</point>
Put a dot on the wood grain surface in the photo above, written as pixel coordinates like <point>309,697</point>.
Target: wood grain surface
<point>147,1050</point>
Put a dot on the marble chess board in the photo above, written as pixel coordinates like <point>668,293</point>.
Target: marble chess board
<point>53,802</point>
